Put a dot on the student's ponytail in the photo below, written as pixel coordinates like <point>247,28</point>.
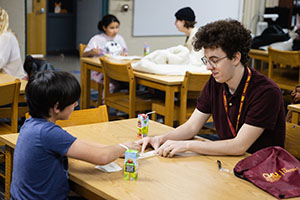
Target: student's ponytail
<point>100,26</point>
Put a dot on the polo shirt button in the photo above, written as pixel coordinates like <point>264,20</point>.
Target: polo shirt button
<point>230,104</point>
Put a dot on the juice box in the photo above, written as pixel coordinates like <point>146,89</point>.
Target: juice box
<point>143,125</point>
<point>131,165</point>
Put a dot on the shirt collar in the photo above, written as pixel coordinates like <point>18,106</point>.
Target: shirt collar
<point>240,88</point>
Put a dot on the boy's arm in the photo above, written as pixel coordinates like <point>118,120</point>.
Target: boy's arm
<point>98,154</point>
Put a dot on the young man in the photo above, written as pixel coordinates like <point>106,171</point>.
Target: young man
<point>246,106</point>
<point>40,168</point>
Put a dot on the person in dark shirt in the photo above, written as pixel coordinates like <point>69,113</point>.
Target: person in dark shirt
<point>246,106</point>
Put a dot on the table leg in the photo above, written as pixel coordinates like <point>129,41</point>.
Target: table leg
<point>169,103</point>
<point>85,77</point>
<point>295,117</point>
<point>82,83</point>
<point>8,170</point>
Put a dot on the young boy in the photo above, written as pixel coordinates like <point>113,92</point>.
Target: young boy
<point>40,160</point>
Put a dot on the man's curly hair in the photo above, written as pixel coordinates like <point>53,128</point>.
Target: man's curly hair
<point>230,35</point>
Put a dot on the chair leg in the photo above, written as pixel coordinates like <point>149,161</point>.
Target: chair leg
<point>100,91</point>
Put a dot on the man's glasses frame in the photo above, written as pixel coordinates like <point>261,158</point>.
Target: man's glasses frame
<point>213,63</point>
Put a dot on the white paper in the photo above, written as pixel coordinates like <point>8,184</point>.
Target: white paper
<point>111,167</point>
<point>147,154</point>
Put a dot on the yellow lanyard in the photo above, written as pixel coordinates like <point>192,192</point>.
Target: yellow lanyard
<point>233,131</point>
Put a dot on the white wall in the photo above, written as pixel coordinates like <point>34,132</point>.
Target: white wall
<point>136,44</point>
<point>16,13</point>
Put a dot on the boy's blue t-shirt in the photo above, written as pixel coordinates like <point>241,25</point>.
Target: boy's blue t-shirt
<point>40,169</point>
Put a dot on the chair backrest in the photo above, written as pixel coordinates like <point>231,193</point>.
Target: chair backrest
<point>82,117</point>
<point>284,58</point>
<point>10,95</point>
<point>193,82</point>
<point>117,70</point>
<point>81,49</point>
<point>292,142</point>
<point>285,78</point>
<point>120,71</point>
<point>85,116</point>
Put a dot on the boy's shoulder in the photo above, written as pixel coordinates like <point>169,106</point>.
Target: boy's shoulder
<point>37,124</point>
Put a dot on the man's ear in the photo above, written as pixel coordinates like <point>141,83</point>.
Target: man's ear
<point>55,109</point>
<point>236,58</point>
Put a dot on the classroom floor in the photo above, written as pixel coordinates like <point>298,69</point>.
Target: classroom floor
<point>69,63</point>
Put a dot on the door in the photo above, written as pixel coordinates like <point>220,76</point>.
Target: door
<point>36,28</point>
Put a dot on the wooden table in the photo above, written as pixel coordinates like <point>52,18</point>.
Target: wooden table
<point>168,84</point>
<point>186,176</point>
<point>295,108</point>
<point>4,78</point>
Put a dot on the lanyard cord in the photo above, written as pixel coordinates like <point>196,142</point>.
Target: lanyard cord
<point>233,131</point>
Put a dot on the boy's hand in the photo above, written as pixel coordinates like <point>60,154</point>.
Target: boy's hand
<point>133,145</point>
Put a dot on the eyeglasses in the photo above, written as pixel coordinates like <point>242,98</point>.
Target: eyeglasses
<point>213,63</point>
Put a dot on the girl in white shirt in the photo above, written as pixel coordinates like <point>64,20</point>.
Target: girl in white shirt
<point>10,58</point>
<point>109,42</point>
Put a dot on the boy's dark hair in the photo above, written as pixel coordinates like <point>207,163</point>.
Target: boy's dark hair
<point>230,35</point>
<point>107,20</point>
<point>44,89</point>
<point>189,24</point>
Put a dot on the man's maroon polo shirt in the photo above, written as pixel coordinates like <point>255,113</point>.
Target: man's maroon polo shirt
<point>263,107</point>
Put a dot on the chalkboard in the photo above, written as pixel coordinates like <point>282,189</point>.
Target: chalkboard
<point>156,17</point>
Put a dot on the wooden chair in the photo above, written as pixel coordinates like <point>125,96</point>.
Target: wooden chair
<point>10,95</point>
<point>192,85</point>
<point>284,68</point>
<point>85,116</point>
<point>94,85</point>
<point>126,102</point>
<point>292,142</point>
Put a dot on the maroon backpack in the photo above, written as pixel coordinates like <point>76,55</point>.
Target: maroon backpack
<point>272,169</point>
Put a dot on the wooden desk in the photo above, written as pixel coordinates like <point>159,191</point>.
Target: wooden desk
<point>187,176</point>
<point>168,84</point>
<point>295,108</point>
<point>4,78</point>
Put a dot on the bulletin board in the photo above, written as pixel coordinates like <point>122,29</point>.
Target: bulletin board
<point>157,17</point>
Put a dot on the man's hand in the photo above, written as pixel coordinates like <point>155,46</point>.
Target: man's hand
<point>153,141</point>
<point>170,147</point>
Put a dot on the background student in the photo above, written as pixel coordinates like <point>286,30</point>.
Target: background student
<point>10,58</point>
<point>40,168</point>
<point>107,43</point>
<point>246,106</point>
<point>185,22</point>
